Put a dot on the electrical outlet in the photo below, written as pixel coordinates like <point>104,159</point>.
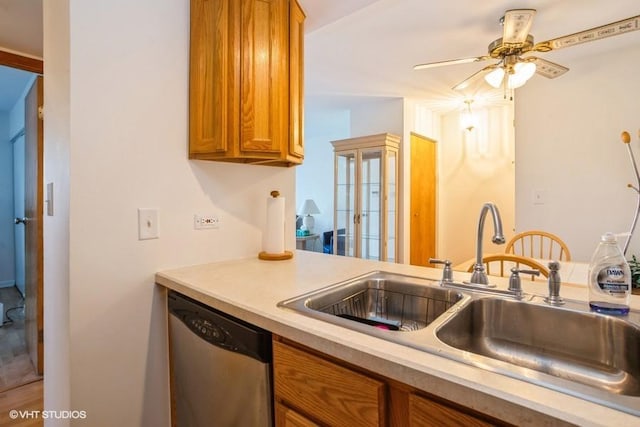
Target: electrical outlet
<point>201,222</point>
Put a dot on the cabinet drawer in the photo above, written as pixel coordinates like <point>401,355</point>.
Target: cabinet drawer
<point>287,417</point>
<point>426,412</point>
<point>329,393</point>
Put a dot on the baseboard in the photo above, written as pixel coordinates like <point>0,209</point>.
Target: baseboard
<point>7,283</point>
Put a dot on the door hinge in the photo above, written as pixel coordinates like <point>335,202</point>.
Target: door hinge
<point>40,113</point>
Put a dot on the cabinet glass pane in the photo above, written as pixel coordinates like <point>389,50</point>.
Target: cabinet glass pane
<point>345,201</point>
<point>370,204</point>
<point>392,203</point>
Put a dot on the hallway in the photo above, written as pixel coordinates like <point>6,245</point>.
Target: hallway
<point>15,366</point>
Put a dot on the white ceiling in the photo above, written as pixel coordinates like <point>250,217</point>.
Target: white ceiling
<point>21,26</point>
<point>372,49</point>
<point>357,48</point>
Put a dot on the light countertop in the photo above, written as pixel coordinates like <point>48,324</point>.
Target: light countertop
<point>251,288</point>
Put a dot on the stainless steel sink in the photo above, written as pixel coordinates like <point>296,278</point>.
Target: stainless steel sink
<point>378,302</point>
<point>595,350</point>
<point>569,348</point>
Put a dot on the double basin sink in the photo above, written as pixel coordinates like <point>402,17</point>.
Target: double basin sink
<point>569,348</point>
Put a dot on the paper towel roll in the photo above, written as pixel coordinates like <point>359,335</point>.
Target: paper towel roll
<point>274,234</point>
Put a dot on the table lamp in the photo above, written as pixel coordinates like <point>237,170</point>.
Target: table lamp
<point>308,208</point>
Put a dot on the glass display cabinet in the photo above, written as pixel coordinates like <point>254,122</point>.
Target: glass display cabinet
<point>365,197</point>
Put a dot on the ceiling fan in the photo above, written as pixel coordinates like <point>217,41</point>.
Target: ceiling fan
<point>513,68</point>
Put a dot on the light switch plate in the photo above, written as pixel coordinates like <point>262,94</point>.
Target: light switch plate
<point>147,224</point>
<point>539,197</point>
<point>49,199</point>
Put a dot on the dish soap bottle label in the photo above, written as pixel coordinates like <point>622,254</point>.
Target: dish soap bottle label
<point>612,279</point>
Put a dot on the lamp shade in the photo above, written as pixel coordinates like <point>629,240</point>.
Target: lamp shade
<point>523,71</point>
<point>494,78</point>
<point>309,207</point>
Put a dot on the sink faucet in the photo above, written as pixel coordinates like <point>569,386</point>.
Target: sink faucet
<point>479,276</point>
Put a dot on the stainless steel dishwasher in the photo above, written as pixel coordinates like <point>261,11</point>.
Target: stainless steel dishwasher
<point>220,367</point>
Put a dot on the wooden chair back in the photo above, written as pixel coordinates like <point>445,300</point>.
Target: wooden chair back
<point>539,245</point>
<point>501,265</point>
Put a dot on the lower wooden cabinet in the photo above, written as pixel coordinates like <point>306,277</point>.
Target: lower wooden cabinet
<point>313,389</point>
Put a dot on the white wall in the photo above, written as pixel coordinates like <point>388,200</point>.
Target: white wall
<point>57,257</point>
<point>116,108</point>
<point>7,263</point>
<point>314,178</point>
<point>474,167</point>
<point>568,146</point>
<point>378,115</point>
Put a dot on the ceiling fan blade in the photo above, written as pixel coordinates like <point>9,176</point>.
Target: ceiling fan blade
<point>548,69</point>
<point>597,33</point>
<point>451,62</point>
<point>475,76</point>
<point>517,23</point>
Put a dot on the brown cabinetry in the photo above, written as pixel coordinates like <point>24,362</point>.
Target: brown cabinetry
<point>313,389</point>
<point>246,81</point>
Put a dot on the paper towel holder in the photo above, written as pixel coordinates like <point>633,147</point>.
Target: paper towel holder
<point>266,256</point>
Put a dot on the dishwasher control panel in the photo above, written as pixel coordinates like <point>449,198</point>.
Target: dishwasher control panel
<point>221,329</point>
<point>211,332</point>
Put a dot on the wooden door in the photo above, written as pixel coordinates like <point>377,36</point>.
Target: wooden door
<point>423,200</point>
<point>33,208</point>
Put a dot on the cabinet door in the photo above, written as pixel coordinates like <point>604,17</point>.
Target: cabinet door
<point>345,219</point>
<point>371,197</point>
<point>214,84</point>
<point>265,77</point>
<point>296,83</point>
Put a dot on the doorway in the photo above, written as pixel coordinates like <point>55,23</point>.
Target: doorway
<point>21,269</point>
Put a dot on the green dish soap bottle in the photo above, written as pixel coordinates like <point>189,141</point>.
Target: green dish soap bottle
<point>609,278</point>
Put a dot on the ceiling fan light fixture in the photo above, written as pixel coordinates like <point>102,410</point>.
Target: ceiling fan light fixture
<point>522,72</point>
<point>495,77</point>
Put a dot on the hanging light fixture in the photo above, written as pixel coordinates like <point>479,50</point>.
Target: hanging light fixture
<point>516,70</point>
<point>467,119</point>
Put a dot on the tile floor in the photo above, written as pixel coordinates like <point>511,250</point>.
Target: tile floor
<point>15,366</point>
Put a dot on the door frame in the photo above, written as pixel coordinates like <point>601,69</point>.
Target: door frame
<point>25,63</point>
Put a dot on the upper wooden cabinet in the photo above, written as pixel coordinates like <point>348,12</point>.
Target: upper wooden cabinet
<point>246,81</point>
